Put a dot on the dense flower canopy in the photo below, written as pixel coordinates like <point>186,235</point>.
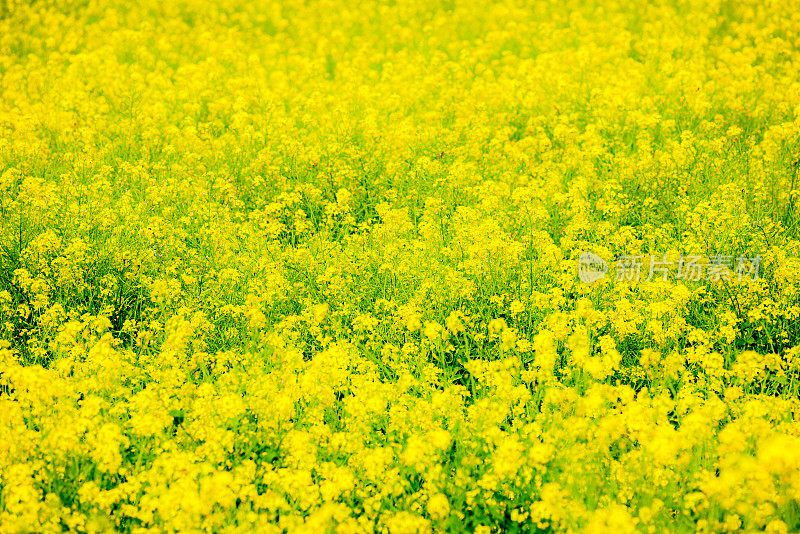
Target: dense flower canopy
<point>313,266</point>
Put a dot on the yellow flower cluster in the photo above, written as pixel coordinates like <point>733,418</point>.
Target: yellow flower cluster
<point>312,266</point>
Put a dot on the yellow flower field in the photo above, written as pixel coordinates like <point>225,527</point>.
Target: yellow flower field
<point>399,266</point>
